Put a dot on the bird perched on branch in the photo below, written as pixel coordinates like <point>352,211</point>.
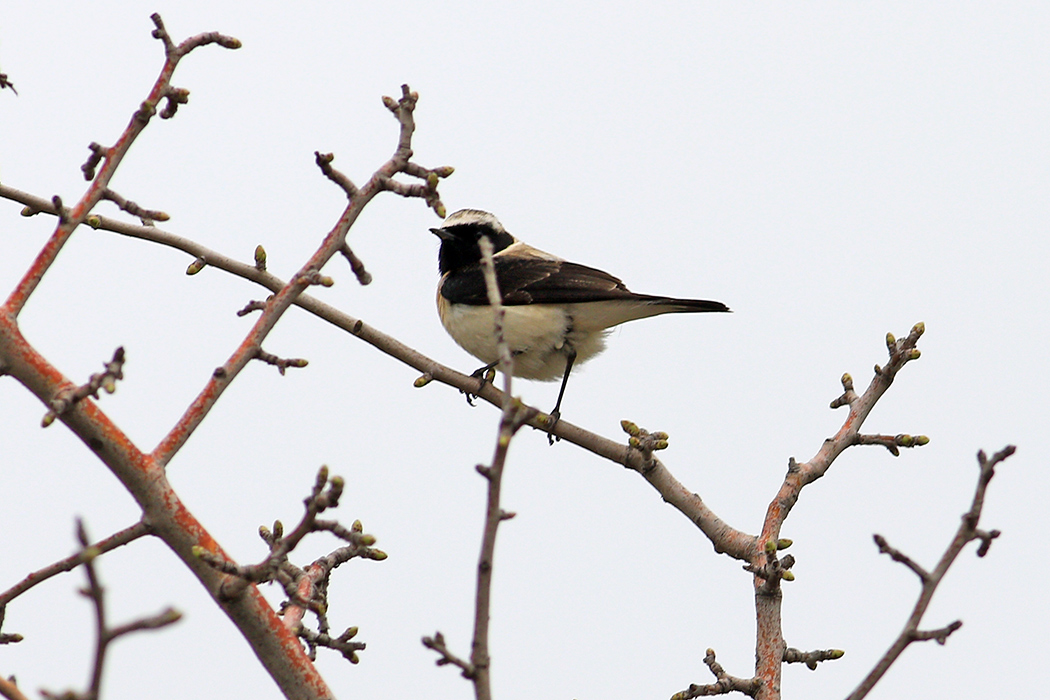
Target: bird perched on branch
<point>557,313</point>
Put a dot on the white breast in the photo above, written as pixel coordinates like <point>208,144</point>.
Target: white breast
<point>537,334</point>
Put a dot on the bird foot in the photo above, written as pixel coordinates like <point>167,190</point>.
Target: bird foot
<point>484,375</point>
<point>552,421</point>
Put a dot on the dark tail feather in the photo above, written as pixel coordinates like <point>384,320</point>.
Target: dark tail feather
<point>689,305</point>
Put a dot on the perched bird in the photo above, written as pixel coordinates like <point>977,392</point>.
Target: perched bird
<point>557,312</point>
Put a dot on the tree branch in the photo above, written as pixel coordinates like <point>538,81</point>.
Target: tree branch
<point>117,539</point>
<point>112,156</point>
<point>967,532</point>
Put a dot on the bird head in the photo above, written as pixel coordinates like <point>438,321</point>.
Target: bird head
<point>460,233</point>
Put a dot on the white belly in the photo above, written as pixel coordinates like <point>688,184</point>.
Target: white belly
<point>539,335</point>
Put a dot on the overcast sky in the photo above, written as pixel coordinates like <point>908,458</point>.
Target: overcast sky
<point>831,171</point>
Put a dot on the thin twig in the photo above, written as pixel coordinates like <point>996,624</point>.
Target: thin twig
<point>117,539</point>
<point>967,532</point>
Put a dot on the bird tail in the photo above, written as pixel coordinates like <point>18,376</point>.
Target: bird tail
<point>672,305</point>
<point>606,314</point>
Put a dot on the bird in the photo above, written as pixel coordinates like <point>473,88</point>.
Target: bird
<point>557,313</point>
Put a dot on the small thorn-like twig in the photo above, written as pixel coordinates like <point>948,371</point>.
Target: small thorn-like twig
<point>848,394</point>
<point>940,635</point>
<point>724,685</point>
<point>645,442</point>
<point>314,277</point>
<point>892,442</point>
<point>173,97</point>
<point>252,306</point>
<point>70,396</point>
<point>437,643</point>
<point>811,658</point>
<point>358,267</point>
<point>5,82</point>
<point>98,152</point>
<point>342,643</point>
<point>145,215</point>
<point>986,540</point>
<point>899,556</point>
<point>324,162</point>
<point>279,362</point>
<point>60,211</point>
<point>775,569</point>
<point>117,539</point>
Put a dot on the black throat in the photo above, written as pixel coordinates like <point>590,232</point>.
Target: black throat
<point>461,249</point>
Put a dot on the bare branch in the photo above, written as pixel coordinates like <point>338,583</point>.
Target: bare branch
<point>280,363</point>
<point>899,556</point>
<point>358,267</point>
<point>811,658</point>
<point>103,632</point>
<point>306,588</point>
<point>726,684</point>
<point>5,82</point>
<point>113,156</point>
<point>941,635</point>
<point>287,295</point>
<point>117,539</point>
<point>437,643</point>
<point>69,396</point>
<point>892,442</point>
<point>513,416</point>
<point>8,689</point>
<point>324,162</point>
<point>967,532</point>
<point>342,643</point>
<point>768,598</point>
<point>146,215</point>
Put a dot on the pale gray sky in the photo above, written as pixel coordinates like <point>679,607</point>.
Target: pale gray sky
<point>831,171</point>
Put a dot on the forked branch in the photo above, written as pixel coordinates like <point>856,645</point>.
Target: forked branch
<point>966,533</point>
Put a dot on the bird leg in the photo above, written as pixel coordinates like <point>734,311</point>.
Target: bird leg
<point>484,375</point>
<point>555,415</point>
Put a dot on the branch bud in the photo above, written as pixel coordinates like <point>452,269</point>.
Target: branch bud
<point>423,381</point>
<point>260,258</point>
<point>196,266</point>
<point>784,543</point>
<point>891,342</point>
<point>919,328</point>
<point>94,222</point>
<point>787,576</point>
<point>630,428</point>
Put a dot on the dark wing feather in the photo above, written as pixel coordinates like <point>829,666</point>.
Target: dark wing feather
<point>535,281</point>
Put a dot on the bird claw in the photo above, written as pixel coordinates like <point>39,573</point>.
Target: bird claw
<point>484,375</point>
<point>552,422</point>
